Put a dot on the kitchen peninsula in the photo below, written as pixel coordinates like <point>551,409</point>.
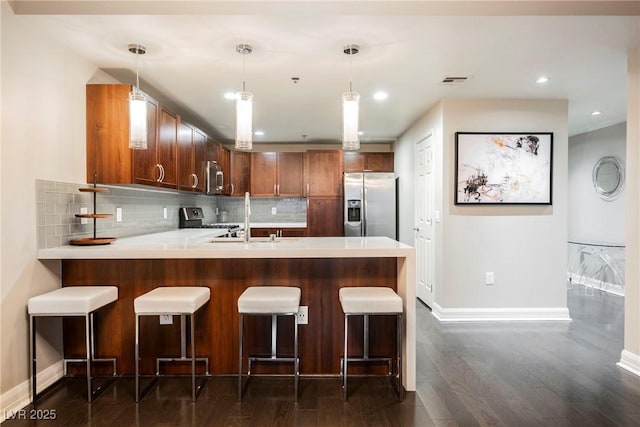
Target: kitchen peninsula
<point>188,257</point>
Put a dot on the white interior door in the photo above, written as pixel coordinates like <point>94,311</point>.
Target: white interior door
<point>424,219</point>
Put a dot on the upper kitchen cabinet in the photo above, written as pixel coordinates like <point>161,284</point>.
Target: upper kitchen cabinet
<point>108,152</point>
<point>277,174</point>
<point>357,161</point>
<point>160,165</point>
<point>323,173</point>
<point>238,173</point>
<point>192,152</point>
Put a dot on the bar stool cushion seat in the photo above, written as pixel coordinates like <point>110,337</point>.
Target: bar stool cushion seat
<point>370,300</point>
<point>269,299</point>
<point>72,300</point>
<point>172,299</point>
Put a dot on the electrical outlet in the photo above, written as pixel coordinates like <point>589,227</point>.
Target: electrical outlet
<point>166,319</point>
<point>303,315</point>
<point>165,214</point>
<point>489,278</point>
<point>84,220</point>
<point>273,210</point>
<point>118,214</point>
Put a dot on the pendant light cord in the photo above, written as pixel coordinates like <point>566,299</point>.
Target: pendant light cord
<point>350,67</point>
<point>243,73</point>
<point>137,70</point>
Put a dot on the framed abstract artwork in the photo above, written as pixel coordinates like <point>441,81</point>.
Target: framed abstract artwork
<point>503,168</point>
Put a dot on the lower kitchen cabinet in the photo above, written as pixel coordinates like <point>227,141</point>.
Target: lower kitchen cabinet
<point>279,232</point>
<point>325,217</point>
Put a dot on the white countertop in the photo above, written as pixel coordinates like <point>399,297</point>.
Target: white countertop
<point>196,243</point>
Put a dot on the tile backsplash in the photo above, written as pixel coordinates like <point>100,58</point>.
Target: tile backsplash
<point>142,211</point>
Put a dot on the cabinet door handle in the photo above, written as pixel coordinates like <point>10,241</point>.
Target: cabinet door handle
<point>307,189</point>
<point>275,192</point>
<point>195,180</point>
<point>278,192</point>
<point>232,188</point>
<point>159,178</point>
<point>162,170</point>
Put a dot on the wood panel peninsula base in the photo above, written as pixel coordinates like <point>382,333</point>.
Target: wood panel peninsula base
<point>319,266</point>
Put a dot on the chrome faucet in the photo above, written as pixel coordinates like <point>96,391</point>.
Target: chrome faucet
<point>247,214</point>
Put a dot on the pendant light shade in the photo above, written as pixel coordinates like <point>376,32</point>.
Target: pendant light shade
<point>244,116</point>
<point>137,120</point>
<point>350,113</point>
<point>137,107</point>
<point>244,108</point>
<point>350,108</point>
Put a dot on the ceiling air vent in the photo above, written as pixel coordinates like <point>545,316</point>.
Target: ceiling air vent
<point>454,79</point>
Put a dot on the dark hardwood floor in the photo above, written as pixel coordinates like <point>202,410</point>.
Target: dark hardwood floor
<point>529,373</point>
<point>504,374</point>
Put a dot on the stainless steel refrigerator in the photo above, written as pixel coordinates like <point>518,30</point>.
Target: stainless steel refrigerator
<point>370,204</point>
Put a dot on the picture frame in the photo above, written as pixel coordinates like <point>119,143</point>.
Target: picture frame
<point>508,168</point>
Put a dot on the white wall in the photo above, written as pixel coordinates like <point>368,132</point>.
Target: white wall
<point>43,136</point>
<point>405,159</point>
<point>525,246</point>
<point>592,219</point>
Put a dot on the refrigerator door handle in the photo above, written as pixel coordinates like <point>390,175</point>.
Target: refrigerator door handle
<point>363,194</point>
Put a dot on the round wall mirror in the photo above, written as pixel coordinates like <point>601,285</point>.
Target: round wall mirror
<point>608,177</point>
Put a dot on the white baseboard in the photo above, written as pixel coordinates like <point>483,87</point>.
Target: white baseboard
<point>630,362</point>
<point>19,396</point>
<point>500,314</point>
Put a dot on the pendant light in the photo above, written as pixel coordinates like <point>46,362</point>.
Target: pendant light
<point>350,108</point>
<point>244,108</point>
<point>137,106</point>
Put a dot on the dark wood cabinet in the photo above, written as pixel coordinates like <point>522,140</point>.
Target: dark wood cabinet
<point>191,158</point>
<point>158,164</point>
<point>166,153</point>
<point>325,216</point>
<point>323,173</point>
<point>107,132</point>
<point>264,174</point>
<point>277,174</point>
<point>238,173</point>
<point>176,151</point>
<point>290,175</point>
<point>323,188</point>
<point>279,232</point>
<point>357,161</point>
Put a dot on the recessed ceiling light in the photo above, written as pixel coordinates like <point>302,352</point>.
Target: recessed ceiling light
<point>380,95</point>
<point>360,133</point>
<point>542,79</point>
<point>258,133</point>
<point>230,95</point>
<point>596,113</point>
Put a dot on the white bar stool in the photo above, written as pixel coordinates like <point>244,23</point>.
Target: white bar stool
<point>271,301</point>
<point>371,301</point>
<point>72,301</point>
<point>180,301</point>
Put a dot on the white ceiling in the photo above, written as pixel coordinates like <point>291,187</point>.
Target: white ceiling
<point>191,59</point>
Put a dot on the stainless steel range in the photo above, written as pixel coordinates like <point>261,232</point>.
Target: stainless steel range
<point>194,218</point>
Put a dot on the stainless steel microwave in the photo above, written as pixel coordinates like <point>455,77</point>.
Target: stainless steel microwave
<point>215,178</point>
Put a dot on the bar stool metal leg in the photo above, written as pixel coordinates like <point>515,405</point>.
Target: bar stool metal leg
<point>400,332</point>
<point>87,332</point>
<point>240,360</point>
<point>32,357</point>
<point>345,358</point>
<point>296,361</point>
<point>193,360</point>
<point>137,357</point>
